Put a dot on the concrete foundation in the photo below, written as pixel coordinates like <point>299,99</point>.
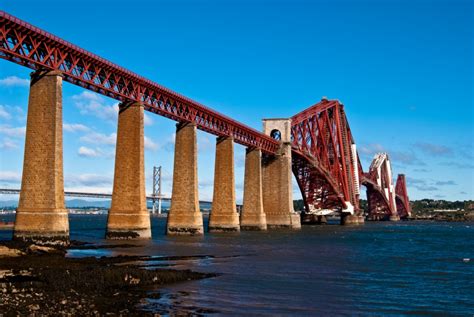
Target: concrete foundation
<point>224,216</point>
<point>128,215</point>
<point>310,219</point>
<point>394,218</point>
<point>348,219</point>
<point>253,217</point>
<point>41,215</point>
<point>184,217</point>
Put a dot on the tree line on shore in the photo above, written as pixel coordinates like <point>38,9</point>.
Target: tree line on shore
<point>418,206</point>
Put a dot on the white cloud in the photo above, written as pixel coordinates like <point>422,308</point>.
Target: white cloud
<point>99,138</point>
<point>14,81</point>
<point>169,144</point>
<point>4,115</point>
<point>8,144</point>
<point>150,145</point>
<point>88,152</point>
<point>13,132</point>
<point>88,180</point>
<point>90,103</point>
<point>75,127</point>
<point>10,177</point>
<point>371,149</point>
<point>147,120</point>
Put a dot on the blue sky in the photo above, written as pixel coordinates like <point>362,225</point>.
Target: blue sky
<point>403,69</point>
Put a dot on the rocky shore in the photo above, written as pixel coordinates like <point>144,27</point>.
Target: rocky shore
<point>36,280</point>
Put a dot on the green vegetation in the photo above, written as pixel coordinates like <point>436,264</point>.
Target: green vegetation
<point>423,206</point>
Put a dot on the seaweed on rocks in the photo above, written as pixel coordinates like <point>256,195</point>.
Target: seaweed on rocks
<point>48,283</point>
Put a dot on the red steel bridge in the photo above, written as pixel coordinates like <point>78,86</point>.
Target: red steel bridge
<point>324,154</point>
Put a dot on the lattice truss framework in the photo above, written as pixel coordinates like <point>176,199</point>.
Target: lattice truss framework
<point>325,162</point>
<point>32,47</point>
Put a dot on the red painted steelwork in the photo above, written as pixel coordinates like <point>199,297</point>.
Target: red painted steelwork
<point>403,202</point>
<point>32,47</point>
<point>322,157</point>
<point>381,206</point>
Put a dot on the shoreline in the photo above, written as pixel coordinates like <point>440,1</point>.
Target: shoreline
<point>41,280</point>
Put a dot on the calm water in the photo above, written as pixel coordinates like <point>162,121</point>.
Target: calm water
<point>413,268</point>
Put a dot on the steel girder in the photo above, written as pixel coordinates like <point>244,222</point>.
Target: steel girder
<point>323,161</point>
<point>403,202</point>
<point>380,192</point>
<point>32,47</point>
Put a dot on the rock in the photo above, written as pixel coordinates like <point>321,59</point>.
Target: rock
<point>39,249</point>
<point>8,252</point>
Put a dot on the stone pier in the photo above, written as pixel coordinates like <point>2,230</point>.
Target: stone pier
<point>348,219</point>
<point>277,178</point>
<point>224,216</point>
<point>184,217</point>
<point>253,217</point>
<point>128,215</point>
<point>41,215</point>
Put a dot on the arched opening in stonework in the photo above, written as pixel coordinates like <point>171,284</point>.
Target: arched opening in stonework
<point>276,134</point>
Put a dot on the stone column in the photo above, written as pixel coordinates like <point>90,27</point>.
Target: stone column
<point>128,215</point>
<point>41,215</point>
<point>278,190</point>
<point>224,216</point>
<point>277,178</point>
<point>253,217</point>
<point>184,217</point>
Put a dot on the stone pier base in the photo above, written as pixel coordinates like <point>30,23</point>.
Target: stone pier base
<point>253,217</point>
<point>128,215</point>
<point>41,215</point>
<point>348,219</point>
<point>394,218</point>
<point>224,216</point>
<point>184,217</point>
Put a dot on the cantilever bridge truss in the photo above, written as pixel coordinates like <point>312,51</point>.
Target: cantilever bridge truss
<point>324,155</point>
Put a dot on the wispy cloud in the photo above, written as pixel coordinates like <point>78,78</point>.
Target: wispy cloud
<point>434,149</point>
<point>90,103</point>
<point>4,114</point>
<point>8,144</point>
<point>150,145</point>
<point>88,152</point>
<point>99,138</point>
<point>75,127</point>
<point>421,170</point>
<point>397,157</point>
<point>169,143</point>
<point>88,180</point>
<point>405,158</point>
<point>415,181</point>
<point>147,120</point>
<point>427,188</point>
<point>421,184</point>
<point>445,183</point>
<point>371,149</point>
<point>12,131</point>
<point>10,177</point>
<point>460,165</point>
<point>14,81</point>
